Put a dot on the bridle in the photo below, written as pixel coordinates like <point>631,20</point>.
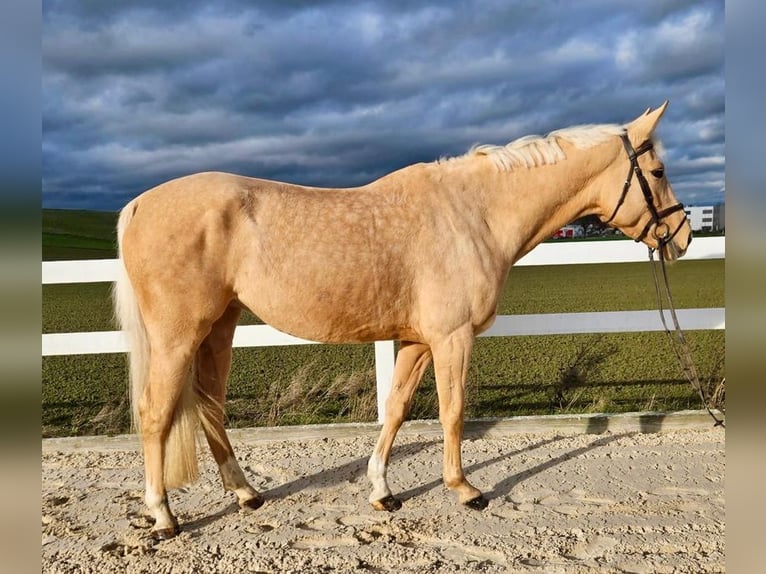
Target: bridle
<point>665,236</point>
<point>676,336</point>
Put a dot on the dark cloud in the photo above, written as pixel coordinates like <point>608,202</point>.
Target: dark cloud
<point>338,93</point>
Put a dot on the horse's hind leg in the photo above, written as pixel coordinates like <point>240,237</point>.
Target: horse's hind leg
<point>167,378</point>
<point>213,365</point>
<point>411,363</point>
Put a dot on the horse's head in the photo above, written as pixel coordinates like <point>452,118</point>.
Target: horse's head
<point>641,203</point>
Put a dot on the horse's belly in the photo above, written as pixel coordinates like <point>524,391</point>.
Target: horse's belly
<point>331,316</point>
<point>334,329</point>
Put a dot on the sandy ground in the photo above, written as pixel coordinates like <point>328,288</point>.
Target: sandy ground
<point>614,502</point>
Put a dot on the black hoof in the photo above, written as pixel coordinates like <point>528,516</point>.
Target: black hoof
<point>252,504</point>
<point>165,533</point>
<point>478,503</point>
<point>388,503</point>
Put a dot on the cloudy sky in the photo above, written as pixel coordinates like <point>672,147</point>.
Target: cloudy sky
<point>339,93</point>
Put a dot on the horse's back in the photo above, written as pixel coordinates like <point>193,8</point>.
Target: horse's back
<point>317,263</point>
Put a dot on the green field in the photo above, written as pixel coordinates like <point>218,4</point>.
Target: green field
<point>76,234</point>
<point>336,383</point>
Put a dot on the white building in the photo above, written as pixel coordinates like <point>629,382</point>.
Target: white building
<point>706,217</point>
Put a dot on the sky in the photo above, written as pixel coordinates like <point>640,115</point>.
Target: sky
<point>324,93</point>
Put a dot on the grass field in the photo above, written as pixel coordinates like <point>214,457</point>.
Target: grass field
<point>75,234</point>
<point>336,383</point>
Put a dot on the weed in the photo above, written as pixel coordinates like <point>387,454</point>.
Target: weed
<point>568,389</point>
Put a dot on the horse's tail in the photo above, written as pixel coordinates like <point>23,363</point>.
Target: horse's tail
<point>129,319</point>
<point>180,466</point>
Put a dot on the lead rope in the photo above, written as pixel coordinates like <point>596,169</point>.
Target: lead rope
<point>676,337</point>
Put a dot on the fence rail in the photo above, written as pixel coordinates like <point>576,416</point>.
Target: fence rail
<point>106,270</point>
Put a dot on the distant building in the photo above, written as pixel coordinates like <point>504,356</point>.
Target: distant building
<point>569,231</point>
<point>706,217</point>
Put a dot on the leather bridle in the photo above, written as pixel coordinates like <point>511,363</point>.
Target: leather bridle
<point>661,230</point>
<point>663,236</point>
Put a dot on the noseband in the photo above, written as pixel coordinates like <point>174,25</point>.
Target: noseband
<point>665,236</point>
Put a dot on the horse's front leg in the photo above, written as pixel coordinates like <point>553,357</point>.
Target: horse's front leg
<point>411,362</point>
<point>451,357</point>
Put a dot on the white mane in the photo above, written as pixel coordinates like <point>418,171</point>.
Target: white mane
<point>531,151</point>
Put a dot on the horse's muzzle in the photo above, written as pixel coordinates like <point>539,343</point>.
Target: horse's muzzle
<point>676,247</point>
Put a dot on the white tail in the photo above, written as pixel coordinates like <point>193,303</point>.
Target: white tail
<point>180,465</point>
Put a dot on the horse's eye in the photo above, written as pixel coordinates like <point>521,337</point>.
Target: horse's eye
<point>658,173</point>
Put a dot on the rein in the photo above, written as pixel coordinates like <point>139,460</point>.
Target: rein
<point>676,337</point>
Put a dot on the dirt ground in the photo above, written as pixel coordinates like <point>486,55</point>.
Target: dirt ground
<point>618,501</point>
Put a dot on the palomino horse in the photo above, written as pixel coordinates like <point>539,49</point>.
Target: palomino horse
<point>419,256</point>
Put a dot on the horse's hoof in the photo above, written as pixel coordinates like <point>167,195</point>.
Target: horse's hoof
<point>252,503</point>
<point>389,503</point>
<point>165,533</point>
<point>478,503</point>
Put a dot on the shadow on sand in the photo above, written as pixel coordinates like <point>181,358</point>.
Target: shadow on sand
<point>356,469</point>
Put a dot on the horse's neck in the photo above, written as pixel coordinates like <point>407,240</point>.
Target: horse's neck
<point>528,205</point>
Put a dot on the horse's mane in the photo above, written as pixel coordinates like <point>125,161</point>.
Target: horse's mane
<point>533,150</point>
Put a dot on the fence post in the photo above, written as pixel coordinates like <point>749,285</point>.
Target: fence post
<point>384,373</point>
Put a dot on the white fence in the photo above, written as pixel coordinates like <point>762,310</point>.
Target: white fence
<point>105,270</point>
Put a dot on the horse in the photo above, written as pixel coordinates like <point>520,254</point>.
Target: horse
<point>420,256</point>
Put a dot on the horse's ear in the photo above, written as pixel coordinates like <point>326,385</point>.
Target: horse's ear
<point>642,127</point>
